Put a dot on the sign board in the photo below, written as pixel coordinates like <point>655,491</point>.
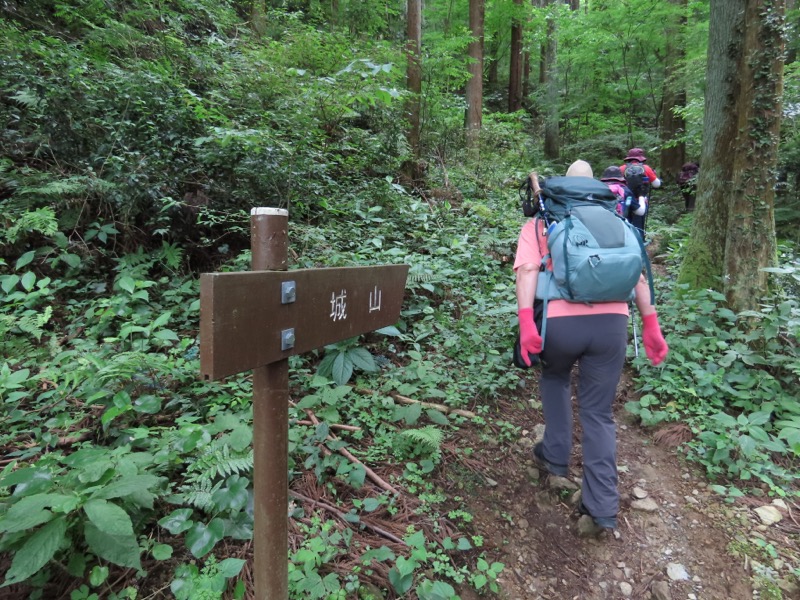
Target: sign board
<point>249,319</point>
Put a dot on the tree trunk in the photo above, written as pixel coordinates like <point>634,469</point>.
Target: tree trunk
<point>258,19</point>
<point>493,76</point>
<point>673,125</point>
<point>474,92</point>
<point>414,83</point>
<point>551,129</point>
<point>515,63</point>
<point>734,229</point>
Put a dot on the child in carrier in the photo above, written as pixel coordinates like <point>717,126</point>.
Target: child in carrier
<point>628,205</point>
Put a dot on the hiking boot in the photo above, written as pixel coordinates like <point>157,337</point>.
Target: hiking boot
<point>587,528</point>
<point>609,523</point>
<point>546,465</point>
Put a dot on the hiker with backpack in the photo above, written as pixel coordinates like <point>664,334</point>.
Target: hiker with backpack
<point>687,182</point>
<point>627,203</point>
<point>593,334</point>
<point>640,178</point>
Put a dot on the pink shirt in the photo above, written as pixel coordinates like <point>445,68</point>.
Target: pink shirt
<point>530,252</point>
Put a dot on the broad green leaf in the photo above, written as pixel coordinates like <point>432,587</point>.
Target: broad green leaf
<point>162,552</point>
<point>400,583</point>
<point>163,319</point>
<point>25,259</point>
<point>127,485</point>
<point>17,377</point>
<point>28,520</point>
<point>202,538</point>
<point>127,283</point>
<point>747,445</point>
<point>230,567</point>
<point>416,539</point>
<point>371,504</point>
<point>435,590</point>
<point>241,437</point>
<point>77,565</point>
<point>147,404</point>
<point>27,479</point>
<point>356,476</point>
<point>119,549</point>
<point>29,511</point>
<point>725,419</point>
<point>28,281</point>
<point>73,260</point>
<point>108,517</point>
<point>9,283</point>
<point>412,413</point>
<point>342,368</point>
<point>362,359</point>
<point>464,544</point>
<point>390,330</point>
<point>233,496</point>
<point>98,575</point>
<point>37,551</point>
<point>759,418</point>
<point>437,417</point>
<point>166,335</point>
<point>112,413</point>
<point>380,554</point>
<point>96,470</point>
<point>177,521</point>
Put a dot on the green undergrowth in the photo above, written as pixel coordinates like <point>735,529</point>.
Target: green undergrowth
<point>729,386</point>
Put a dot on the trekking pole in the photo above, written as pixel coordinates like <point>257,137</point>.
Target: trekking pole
<point>635,339</point>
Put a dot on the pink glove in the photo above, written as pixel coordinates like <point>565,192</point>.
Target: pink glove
<point>530,342</point>
<point>654,344</point>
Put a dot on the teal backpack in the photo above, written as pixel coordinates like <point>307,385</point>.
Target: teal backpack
<point>596,255</point>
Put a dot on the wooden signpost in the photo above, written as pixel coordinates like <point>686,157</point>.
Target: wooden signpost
<point>255,320</point>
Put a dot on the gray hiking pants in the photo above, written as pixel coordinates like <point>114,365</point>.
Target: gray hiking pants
<point>597,343</point>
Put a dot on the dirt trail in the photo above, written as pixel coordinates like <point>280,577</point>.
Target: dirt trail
<point>673,544</point>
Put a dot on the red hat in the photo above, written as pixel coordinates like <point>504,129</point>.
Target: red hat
<point>636,154</point>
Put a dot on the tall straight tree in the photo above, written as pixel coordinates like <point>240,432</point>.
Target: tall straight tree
<point>258,19</point>
<point>733,236</point>
<point>550,79</point>
<point>474,92</point>
<point>673,124</point>
<point>414,82</point>
<point>515,63</point>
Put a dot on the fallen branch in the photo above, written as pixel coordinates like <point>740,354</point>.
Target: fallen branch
<point>406,400</point>
<point>343,517</point>
<point>440,407</point>
<point>381,483</point>
<point>332,426</point>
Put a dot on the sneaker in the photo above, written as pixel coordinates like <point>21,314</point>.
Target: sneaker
<point>546,465</point>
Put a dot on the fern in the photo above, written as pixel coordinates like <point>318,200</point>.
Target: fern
<point>41,220</point>
<point>207,474</point>
<point>219,460</point>
<point>199,494</point>
<point>425,442</point>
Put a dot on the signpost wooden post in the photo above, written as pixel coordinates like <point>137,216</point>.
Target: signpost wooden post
<point>255,320</point>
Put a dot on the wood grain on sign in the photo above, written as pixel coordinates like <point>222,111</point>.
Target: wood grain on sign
<point>243,319</point>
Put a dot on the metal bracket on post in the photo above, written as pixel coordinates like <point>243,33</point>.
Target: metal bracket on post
<point>288,292</point>
<point>287,339</point>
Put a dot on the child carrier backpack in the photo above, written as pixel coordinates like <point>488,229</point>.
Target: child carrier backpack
<point>636,179</point>
<point>593,254</point>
